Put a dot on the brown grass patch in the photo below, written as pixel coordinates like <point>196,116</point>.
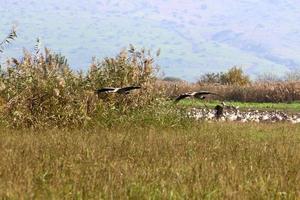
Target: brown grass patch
<point>275,92</point>
<point>207,161</point>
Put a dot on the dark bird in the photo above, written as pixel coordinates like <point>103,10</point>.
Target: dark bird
<point>124,90</point>
<point>219,111</point>
<point>198,95</point>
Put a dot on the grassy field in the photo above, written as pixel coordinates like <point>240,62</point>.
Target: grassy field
<point>60,140</point>
<point>194,161</point>
<point>291,107</point>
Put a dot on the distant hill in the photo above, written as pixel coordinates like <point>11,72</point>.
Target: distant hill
<point>195,37</point>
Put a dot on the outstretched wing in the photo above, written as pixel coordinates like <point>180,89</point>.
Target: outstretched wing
<point>203,93</point>
<point>105,89</point>
<point>182,96</point>
<point>127,89</point>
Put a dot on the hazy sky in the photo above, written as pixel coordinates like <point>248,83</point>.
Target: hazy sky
<point>195,36</point>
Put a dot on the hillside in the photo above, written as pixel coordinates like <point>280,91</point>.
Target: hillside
<point>195,37</point>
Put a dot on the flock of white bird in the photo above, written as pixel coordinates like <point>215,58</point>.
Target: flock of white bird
<point>231,113</point>
<point>235,115</point>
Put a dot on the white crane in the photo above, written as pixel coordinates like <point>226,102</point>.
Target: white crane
<point>124,90</point>
<point>198,95</point>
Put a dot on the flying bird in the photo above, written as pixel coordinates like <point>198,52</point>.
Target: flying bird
<point>198,95</point>
<point>124,90</point>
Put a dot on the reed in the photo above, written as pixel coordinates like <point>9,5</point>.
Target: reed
<point>275,92</point>
<point>42,90</point>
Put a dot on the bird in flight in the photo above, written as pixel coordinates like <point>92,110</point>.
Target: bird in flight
<point>124,90</point>
<point>198,95</point>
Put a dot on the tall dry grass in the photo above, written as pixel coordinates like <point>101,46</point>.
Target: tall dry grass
<point>41,90</point>
<point>201,161</point>
<point>283,91</point>
<point>12,35</point>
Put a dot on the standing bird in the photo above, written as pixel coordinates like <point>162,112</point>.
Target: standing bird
<point>124,90</point>
<point>219,111</point>
<point>198,95</point>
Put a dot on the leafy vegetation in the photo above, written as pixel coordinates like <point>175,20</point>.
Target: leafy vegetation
<point>42,91</point>
<point>172,79</point>
<point>234,76</point>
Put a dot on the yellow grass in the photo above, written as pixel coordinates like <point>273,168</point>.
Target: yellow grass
<point>203,161</point>
<point>274,92</point>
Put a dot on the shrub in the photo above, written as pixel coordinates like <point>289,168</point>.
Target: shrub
<point>293,75</point>
<point>210,78</point>
<point>268,78</point>
<point>132,67</point>
<point>172,79</point>
<point>234,76</point>
<point>41,91</point>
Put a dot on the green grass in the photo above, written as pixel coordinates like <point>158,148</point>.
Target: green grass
<point>202,161</point>
<point>292,107</point>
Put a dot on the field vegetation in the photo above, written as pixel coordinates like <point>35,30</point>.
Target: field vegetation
<point>187,161</point>
<point>263,91</point>
<point>61,140</point>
